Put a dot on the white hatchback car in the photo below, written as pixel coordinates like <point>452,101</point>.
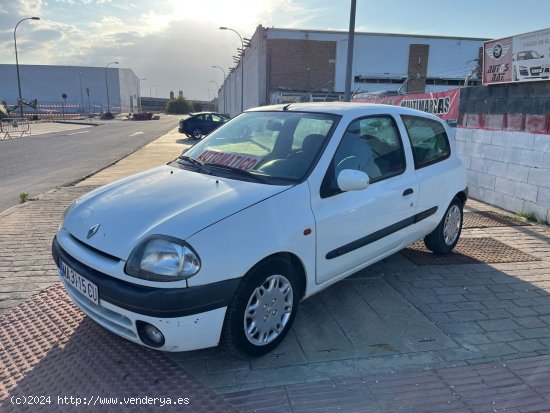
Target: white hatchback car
<point>274,206</point>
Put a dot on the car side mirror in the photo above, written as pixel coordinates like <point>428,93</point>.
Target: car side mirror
<point>352,180</point>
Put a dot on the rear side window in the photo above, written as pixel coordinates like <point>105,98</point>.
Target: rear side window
<point>429,140</point>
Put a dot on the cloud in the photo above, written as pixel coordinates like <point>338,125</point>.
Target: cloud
<point>172,43</point>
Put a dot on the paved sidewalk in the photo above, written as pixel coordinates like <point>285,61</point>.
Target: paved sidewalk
<point>41,128</point>
<point>415,332</point>
<point>156,153</point>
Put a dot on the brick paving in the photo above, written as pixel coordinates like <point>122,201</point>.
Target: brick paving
<point>27,230</point>
<point>49,348</point>
<point>395,336</point>
<point>514,386</point>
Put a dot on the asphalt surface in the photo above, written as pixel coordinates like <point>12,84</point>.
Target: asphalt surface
<point>39,163</point>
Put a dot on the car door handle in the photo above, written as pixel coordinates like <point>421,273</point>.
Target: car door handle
<point>408,191</point>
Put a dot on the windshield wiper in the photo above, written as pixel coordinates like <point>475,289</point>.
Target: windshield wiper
<point>238,171</point>
<point>194,162</point>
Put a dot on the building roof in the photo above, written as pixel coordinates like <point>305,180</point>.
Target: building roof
<point>378,34</point>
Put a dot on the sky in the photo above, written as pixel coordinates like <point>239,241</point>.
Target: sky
<point>172,44</point>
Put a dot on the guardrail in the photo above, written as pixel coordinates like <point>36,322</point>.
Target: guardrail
<point>14,128</point>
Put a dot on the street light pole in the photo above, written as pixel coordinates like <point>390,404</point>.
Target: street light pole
<point>107,84</point>
<point>224,88</point>
<point>17,62</point>
<point>81,95</point>
<point>242,64</point>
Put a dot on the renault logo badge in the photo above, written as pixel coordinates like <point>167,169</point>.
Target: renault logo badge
<point>92,231</point>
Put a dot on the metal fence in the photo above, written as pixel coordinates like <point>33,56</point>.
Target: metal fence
<point>14,128</point>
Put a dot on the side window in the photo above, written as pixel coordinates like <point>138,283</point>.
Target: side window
<point>371,145</point>
<point>429,140</point>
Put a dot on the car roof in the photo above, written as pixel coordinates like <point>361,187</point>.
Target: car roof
<point>205,113</point>
<point>345,108</point>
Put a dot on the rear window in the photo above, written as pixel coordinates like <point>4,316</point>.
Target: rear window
<point>429,140</point>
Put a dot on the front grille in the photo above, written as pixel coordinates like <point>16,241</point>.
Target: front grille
<point>94,250</point>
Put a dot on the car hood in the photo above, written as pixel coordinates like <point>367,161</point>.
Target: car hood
<point>164,200</point>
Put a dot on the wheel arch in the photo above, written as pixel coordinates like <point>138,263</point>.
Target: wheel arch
<point>293,260</point>
<point>462,196</point>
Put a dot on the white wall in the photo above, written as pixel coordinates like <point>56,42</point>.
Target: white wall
<point>128,87</point>
<point>254,78</point>
<point>47,84</point>
<point>508,169</point>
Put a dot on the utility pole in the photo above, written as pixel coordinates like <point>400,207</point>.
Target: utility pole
<point>351,38</point>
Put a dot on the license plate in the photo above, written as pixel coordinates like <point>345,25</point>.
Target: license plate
<point>536,71</point>
<point>84,286</point>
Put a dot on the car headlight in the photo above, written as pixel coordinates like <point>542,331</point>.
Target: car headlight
<point>163,259</point>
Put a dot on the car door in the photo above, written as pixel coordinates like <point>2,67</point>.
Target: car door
<point>434,168</point>
<point>356,227</point>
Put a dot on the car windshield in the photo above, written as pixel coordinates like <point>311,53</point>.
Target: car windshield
<point>273,146</point>
<point>528,55</point>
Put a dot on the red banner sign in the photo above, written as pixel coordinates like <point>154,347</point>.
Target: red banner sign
<point>442,104</point>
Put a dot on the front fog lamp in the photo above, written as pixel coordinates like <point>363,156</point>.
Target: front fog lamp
<point>163,259</point>
<point>149,334</point>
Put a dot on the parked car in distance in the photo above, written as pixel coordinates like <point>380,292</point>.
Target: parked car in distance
<point>201,124</point>
<point>276,205</point>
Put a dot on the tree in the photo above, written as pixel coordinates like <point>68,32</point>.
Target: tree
<point>178,106</point>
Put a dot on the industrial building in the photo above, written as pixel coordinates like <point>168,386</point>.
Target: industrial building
<point>286,65</point>
<point>86,88</point>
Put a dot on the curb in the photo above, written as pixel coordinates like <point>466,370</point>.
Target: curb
<point>74,122</point>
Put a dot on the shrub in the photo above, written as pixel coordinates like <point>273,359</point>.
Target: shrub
<point>178,106</point>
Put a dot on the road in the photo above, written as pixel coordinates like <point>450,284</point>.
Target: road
<point>39,163</point>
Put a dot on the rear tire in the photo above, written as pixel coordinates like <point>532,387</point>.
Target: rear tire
<point>197,133</point>
<point>444,238</point>
<point>263,309</point>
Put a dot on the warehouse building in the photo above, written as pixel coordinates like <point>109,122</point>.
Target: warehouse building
<point>85,88</point>
<point>288,65</point>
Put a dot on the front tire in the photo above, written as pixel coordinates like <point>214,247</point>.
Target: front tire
<point>444,238</point>
<point>263,309</point>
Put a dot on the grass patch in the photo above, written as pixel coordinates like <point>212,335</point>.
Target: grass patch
<point>24,197</point>
<point>529,216</point>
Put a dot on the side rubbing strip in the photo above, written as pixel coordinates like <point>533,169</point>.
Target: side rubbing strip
<point>384,232</point>
<point>425,214</point>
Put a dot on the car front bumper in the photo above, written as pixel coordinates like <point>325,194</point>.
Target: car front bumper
<point>189,318</point>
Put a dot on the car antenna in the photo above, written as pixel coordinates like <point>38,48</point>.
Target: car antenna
<point>286,106</point>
